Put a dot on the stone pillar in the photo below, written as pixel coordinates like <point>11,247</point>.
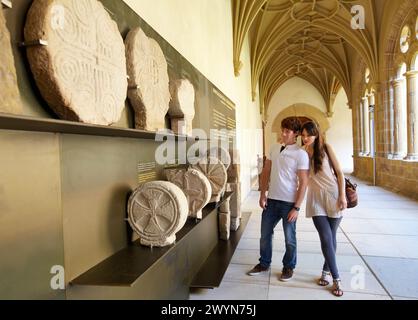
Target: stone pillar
<point>360,131</point>
<point>398,134</point>
<point>390,122</point>
<point>412,115</point>
<point>371,113</point>
<point>366,127</point>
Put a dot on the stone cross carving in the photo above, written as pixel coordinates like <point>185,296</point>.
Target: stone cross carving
<point>81,73</point>
<point>9,97</point>
<point>182,108</point>
<point>157,210</point>
<point>148,91</point>
<point>215,171</point>
<point>195,186</point>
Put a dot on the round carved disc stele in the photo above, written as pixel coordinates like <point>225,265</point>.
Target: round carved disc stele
<point>156,211</point>
<point>195,186</point>
<point>81,72</point>
<point>148,91</point>
<point>215,171</point>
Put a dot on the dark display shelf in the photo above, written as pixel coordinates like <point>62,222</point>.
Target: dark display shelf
<point>126,266</point>
<point>12,122</point>
<point>212,272</point>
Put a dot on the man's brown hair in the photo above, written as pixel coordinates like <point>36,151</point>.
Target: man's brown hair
<point>291,123</point>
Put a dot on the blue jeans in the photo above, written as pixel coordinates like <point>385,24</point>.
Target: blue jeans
<point>272,214</point>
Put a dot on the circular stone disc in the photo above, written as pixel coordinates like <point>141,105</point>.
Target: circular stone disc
<point>222,154</point>
<point>195,186</point>
<point>215,171</point>
<point>81,73</point>
<point>157,210</point>
<point>149,91</point>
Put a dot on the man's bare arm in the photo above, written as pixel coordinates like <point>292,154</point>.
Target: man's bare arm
<point>264,183</point>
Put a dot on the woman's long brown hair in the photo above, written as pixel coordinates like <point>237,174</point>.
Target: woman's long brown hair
<point>319,144</point>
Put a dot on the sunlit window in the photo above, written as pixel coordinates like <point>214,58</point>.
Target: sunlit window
<point>405,39</point>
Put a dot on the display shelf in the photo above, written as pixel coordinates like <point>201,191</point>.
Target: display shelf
<point>25,123</point>
<point>212,272</point>
<point>127,265</point>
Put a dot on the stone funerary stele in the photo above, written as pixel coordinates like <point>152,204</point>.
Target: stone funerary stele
<point>9,97</point>
<point>148,91</point>
<point>156,211</point>
<point>195,186</point>
<point>81,72</point>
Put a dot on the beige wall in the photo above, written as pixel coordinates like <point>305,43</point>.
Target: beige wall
<point>306,99</point>
<point>340,133</point>
<point>293,91</point>
<point>202,32</point>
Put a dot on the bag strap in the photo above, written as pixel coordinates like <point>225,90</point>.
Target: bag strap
<point>330,161</point>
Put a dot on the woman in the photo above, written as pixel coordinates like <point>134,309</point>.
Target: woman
<point>325,200</point>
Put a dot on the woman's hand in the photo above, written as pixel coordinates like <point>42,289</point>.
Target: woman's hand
<point>342,203</point>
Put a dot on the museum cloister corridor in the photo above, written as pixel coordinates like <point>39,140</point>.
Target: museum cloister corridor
<point>376,253</point>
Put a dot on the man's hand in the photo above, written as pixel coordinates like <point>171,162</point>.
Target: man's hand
<point>292,216</point>
<point>263,201</point>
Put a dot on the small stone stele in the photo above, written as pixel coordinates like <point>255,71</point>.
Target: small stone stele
<point>215,171</point>
<point>81,72</point>
<point>235,204</point>
<point>182,106</point>
<point>149,91</point>
<point>195,186</point>
<point>9,92</point>
<point>157,210</point>
<point>224,225</point>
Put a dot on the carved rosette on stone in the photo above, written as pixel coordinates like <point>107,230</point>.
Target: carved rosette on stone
<point>195,186</point>
<point>149,91</point>
<point>182,108</point>
<point>9,97</point>
<point>215,171</point>
<point>81,72</point>
<point>156,211</point>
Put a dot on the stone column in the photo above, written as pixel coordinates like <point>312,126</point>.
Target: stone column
<point>398,132</point>
<point>360,129</point>
<point>412,115</point>
<point>371,113</point>
<point>366,127</point>
<point>390,122</point>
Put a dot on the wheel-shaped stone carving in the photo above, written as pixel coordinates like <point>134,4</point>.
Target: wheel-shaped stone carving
<point>215,171</point>
<point>149,91</point>
<point>222,154</point>
<point>156,211</point>
<point>195,186</point>
<point>81,73</point>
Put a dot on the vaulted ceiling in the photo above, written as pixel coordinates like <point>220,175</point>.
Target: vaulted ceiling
<point>310,39</point>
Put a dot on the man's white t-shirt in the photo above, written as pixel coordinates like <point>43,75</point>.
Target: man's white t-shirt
<point>284,168</point>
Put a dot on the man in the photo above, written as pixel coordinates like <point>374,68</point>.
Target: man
<point>285,176</point>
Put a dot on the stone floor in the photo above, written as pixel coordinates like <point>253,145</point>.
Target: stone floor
<point>377,254</point>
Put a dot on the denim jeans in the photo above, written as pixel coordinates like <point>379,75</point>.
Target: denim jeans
<point>272,214</point>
